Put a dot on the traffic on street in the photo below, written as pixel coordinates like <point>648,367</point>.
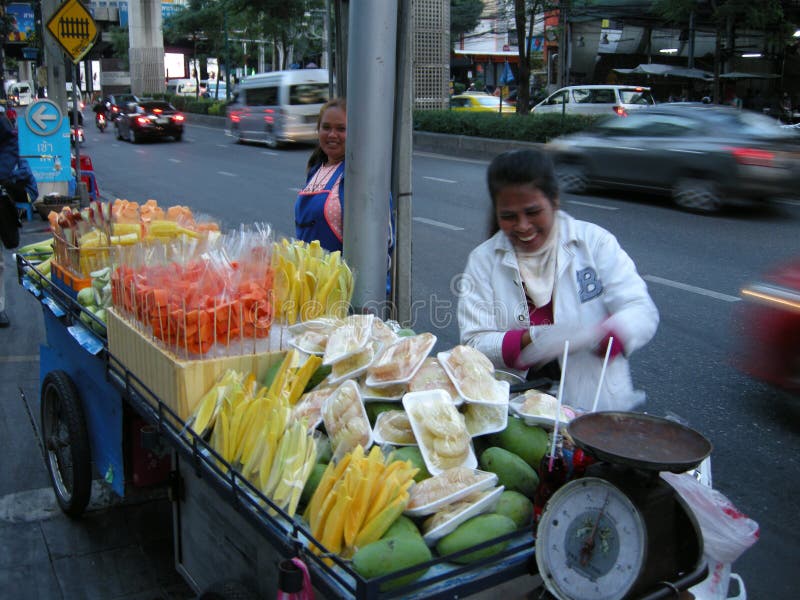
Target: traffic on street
<point>695,267</point>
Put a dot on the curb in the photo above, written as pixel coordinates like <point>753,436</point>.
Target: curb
<point>463,146</point>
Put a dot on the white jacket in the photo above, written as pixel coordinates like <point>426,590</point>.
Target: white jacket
<point>596,282</point>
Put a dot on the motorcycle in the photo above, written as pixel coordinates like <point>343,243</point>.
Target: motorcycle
<point>101,122</point>
<point>76,133</point>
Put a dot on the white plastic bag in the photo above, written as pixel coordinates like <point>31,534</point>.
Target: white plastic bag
<point>727,533</point>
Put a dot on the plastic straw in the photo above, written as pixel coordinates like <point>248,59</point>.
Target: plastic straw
<point>558,406</point>
<point>602,374</point>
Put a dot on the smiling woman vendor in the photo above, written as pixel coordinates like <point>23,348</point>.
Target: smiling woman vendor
<point>319,206</point>
<point>544,277</point>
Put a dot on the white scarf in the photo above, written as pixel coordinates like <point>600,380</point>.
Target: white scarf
<point>538,269</point>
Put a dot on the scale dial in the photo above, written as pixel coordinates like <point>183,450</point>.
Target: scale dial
<point>591,542</point>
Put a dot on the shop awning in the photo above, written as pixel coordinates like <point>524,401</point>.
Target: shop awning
<point>667,71</point>
<point>740,75</point>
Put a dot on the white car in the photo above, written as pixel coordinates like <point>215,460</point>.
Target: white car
<point>596,100</point>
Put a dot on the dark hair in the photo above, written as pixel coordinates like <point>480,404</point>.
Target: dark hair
<point>318,156</point>
<point>520,167</point>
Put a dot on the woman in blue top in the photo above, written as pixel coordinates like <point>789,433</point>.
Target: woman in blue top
<point>319,207</point>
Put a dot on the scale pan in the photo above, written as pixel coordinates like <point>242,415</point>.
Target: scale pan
<point>639,440</point>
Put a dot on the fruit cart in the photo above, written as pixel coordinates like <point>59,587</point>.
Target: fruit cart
<point>94,408</point>
<point>99,419</point>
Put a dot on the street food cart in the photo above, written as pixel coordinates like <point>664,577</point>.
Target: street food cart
<point>98,419</point>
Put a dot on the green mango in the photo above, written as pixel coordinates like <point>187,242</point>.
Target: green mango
<point>516,507</point>
<point>403,526</point>
<point>473,532</point>
<point>413,454</point>
<point>388,555</point>
<point>526,441</point>
<point>512,472</point>
<point>321,373</point>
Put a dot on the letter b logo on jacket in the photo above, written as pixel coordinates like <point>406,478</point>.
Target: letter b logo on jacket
<point>589,286</point>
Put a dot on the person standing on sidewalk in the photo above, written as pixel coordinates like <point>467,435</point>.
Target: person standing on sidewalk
<point>319,208</point>
<point>9,157</point>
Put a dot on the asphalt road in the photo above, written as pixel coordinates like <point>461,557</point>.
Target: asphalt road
<point>694,266</point>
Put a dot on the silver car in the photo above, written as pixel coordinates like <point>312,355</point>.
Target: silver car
<point>704,156</point>
<point>596,100</point>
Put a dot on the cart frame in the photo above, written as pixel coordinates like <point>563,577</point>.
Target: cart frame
<point>214,503</point>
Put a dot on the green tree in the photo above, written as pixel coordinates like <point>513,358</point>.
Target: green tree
<point>120,43</point>
<point>464,16</point>
<point>526,12</point>
<point>726,16</point>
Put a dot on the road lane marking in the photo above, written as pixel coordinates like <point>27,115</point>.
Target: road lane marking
<point>296,190</point>
<point>692,288</point>
<point>227,174</point>
<point>20,358</point>
<point>455,158</point>
<point>437,224</point>
<point>592,205</point>
<point>177,160</point>
<point>788,202</point>
<point>439,179</point>
<point>268,153</point>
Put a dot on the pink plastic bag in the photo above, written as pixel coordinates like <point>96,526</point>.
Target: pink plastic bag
<point>294,581</point>
<point>727,533</point>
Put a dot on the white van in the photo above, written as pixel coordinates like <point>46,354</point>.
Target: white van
<point>182,87</point>
<point>278,107</point>
<point>21,93</point>
<point>596,100</point>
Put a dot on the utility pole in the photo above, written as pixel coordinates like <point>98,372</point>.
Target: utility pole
<point>562,78</point>
<point>368,161</point>
<point>227,55</point>
<point>53,58</point>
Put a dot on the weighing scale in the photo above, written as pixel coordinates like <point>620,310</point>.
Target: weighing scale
<point>621,531</point>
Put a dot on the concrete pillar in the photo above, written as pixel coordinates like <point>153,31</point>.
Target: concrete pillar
<point>262,63</point>
<point>146,54</point>
<point>372,65</point>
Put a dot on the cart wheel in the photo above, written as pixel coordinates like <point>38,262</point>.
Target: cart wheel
<point>227,590</point>
<point>66,442</point>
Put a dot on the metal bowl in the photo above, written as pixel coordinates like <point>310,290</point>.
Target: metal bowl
<point>639,440</point>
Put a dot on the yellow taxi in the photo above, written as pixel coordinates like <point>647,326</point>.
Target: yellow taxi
<point>480,102</point>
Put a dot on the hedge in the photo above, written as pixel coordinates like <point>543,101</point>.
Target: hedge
<point>525,128</point>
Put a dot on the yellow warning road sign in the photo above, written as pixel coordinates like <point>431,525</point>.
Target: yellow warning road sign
<point>74,29</point>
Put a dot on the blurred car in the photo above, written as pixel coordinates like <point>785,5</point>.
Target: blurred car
<point>213,90</point>
<point>150,119</point>
<point>70,100</point>
<point>704,156</point>
<point>117,103</point>
<point>767,327</point>
<point>596,100</point>
<point>480,102</point>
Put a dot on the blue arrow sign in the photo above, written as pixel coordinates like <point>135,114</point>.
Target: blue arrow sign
<point>43,117</point>
<point>48,154</point>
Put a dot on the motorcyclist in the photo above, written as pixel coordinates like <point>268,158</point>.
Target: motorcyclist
<point>102,107</point>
